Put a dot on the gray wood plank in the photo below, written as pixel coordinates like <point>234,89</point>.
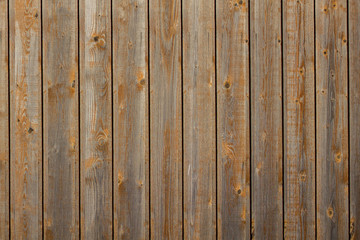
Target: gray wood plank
<point>61,120</point>
<point>4,122</point>
<point>354,128</point>
<point>131,119</point>
<point>233,122</point>
<point>332,120</point>
<point>266,120</point>
<point>199,119</point>
<point>95,119</point>
<point>299,119</point>
<point>165,119</point>
<point>25,119</point>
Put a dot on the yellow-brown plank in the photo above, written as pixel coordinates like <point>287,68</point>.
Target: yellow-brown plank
<point>131,122</point>
<point>165,119</point>
<point>25,119</point>
<point>233,119</point>
<point>95,119</point>
<point>299,119</point>
<point>199,119</point>
<point>332,120</point>
<point>354,85</point>
<point>61,119</point>
<point>4,122</point>
<point>266,120</point>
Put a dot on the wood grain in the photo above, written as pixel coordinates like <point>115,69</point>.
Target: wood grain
<point>165,119</point>
<point>233,119</point>
<point>4,122</point>
<point>95,119</point>
<point>354,128</point>
<point>61,119</point>
<point>332,120</point>
<point>266,119</point>
<point>299,119</point>
<point>131,119</point>
<point>199,119</point>
<point>25,119</point>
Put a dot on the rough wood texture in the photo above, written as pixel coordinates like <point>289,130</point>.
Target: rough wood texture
<point>4,122</point>
<point>332,120</point>
<point>233,119</point>
<point>165,119</point>
<point>131,122</point>
<point>61,120</point>
<point>25,119</point>
<point>354,84</point>
<point>199,119</point>
<point>95,119</point>
<point>266,120</point>
<point>299,119</point>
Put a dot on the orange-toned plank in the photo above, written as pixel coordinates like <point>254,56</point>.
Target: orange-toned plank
<point>332,120</point>
<point>61,120</point>
<point>299,119</point>
<point>25,119</point>
<point>4,122</point>
<point>199,119</point>
<point>165,119</point>
<point>131,122</point>
<point>95,119</point>
<point>233,119</point>
<point>266,120</point>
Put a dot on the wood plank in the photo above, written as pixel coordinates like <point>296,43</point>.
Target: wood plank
<point>332,120</point>
<point>95,119</point>
<point>131,119</point>
<point>61,120</point>
<point>354,88</point>
<point>4,122</point>
<point>199,119</point>
<point>299,119</point>
<point>25,119</point>
<point>233,119</point>
<point>266,119</point>
<point>165,119</point>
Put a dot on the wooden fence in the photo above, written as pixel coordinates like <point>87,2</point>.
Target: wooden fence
<point>179,119</point>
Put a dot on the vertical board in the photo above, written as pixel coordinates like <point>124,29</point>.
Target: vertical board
<point>25,119</point>
<point>332,120</point>
<point>199,119</point>
<point>61,119</point>
<point>354,85</point>
<point>299,119</point>
<point>165,119</point>
<point>266,120</point>
<point>95,119</point>
<point>233,123</point>
<point>131,122</point>
<point>4,122</point>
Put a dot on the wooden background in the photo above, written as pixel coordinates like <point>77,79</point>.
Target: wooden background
<point>179,119</point>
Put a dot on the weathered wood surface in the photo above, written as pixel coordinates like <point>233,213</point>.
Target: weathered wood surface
<point>61,119</point>
<point>131,119</point>
<point>95,119</point>
<point>199,119</point>
<point>266,120</point>
<point>25,119</point>
<point>354,115</point>
<point>4,122</point>
<point>233,119</point>
<point>169,119</point>
<point>299,119</point>
<point>165,120</point>
<point>332,120</point>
